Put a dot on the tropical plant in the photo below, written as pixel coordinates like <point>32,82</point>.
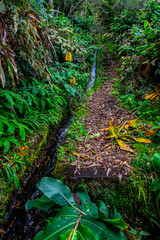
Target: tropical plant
<point>9,174</point>
<point>121,133</point>
<point>89,221</point>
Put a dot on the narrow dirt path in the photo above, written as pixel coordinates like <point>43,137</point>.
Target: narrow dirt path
<point>97,157</point>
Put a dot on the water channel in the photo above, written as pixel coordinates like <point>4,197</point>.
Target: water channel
<point>23,225</point>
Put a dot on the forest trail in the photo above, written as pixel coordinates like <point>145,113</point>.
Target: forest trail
<point>97,157</point>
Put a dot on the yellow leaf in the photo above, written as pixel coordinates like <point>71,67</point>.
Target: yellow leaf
<point>68,57</point>
<point>154,96</point>
<point>69,237</point>
<point>121,126</point>
<point>142,140</point>
<point>156,89</point>
<point>108,137</point>
<point>113,130</point>
<point>133,123</point>
<point>76,154</point>
<point>73,81</point>
<point>150,96</point>
<point>104,129</point>
<point>124,146</point>
<point>126,125</point>
<point>124,138</point>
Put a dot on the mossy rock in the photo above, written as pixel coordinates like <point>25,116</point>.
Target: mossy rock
<point>59,171</point>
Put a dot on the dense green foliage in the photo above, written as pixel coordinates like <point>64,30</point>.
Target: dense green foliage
<point>36,87</point>
<point>134,37</point>
<point>46,52</point>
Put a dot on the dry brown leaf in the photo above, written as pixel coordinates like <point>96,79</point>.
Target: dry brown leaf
<point>117,161</point>
<point>151,132</point>
<point>2,231</point>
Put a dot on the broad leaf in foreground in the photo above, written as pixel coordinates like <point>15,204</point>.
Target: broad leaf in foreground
<point>65,221</point>
<point>155,186</point>
<point>103,231</point>
<point>83,233</point>
<point>156,162</point>
<point>55,190</point>
<point>71,223</point>
<point>102,210</point>
<point>43,203</point>
<point>86,205</point>
<point>116,221</point>
<point>56,228</point>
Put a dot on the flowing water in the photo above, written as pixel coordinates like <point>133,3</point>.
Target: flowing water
<point>19,223</point>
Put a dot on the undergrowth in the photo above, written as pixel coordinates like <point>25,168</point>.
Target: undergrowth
<point>137,90</point>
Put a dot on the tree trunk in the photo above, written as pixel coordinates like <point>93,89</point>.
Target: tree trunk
<point>71,6</point>
<point>74,8</point>
<point>64,6</point>
<point>82,13</point>
<point>86,9</point>
<point>57,11</point>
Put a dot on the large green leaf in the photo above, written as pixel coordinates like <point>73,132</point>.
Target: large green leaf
<point>89,228</point>
<point>103,231</point>
<point>6,146</point>
<point>86,205</point>
<point>57,227</point>
<point>102,210</point>
<point>87,233</point>
<point>117,219</point>
<point>117,223</point>
<point>146,23</point>
<point>22,133</point>
<point>55,190</point>
<point>155,186</point>
<point>43,203</point>
<point>13,140</point>
<point>11,128</point>
<point>156,162</point>
<point>68,211</point>
<point>83,233</point>
<point>64,221</point>
<point>115,214</point>
<point>9,98</point>
<point>158,197</point>
<point>72,235</point>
